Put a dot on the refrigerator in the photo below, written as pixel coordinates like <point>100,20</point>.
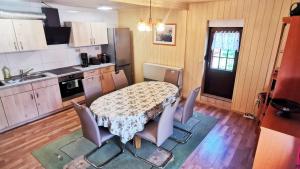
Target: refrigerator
<point>119,49</point>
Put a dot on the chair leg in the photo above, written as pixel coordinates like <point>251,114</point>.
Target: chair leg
<point>189,135</point>
<point>145,160</point>
<point>100,166</point>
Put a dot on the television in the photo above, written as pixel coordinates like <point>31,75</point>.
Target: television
<point>57,35</point>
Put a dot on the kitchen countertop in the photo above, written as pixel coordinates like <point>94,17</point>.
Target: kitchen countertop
<point>51,75</point>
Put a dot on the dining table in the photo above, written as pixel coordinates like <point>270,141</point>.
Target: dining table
<point>126,111</point>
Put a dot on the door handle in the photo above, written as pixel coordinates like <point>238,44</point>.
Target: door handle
<point>21,45</point>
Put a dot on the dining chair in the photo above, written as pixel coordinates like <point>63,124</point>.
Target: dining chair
<point>120,79</point>
<point>92,132</point>
<point>158,132</point>
<point>182,115</point>
<point>92,89</point>
<point>172,76</point>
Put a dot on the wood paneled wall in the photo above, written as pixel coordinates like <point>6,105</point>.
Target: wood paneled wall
<point>262,26</point>
<point>144,49</point>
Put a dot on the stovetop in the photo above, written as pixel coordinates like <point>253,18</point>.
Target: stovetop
<point>64,70</point>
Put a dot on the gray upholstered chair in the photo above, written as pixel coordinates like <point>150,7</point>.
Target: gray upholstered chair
<point>172,76</point>
<point>92,89</point>
<point>93,132</point>
<point>120,79</point>
<point>159,132</point>
<point>182,115</point>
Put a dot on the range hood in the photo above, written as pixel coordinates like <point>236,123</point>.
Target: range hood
<point>55,34</point>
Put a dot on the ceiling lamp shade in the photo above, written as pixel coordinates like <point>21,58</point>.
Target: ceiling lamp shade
<point>147,26</point>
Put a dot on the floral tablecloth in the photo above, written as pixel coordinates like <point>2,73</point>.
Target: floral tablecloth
<point>125,112</point>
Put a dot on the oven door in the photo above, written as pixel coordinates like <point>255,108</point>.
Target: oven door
<point>71,89</point>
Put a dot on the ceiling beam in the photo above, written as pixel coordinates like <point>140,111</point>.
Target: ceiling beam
<point>156,3</point>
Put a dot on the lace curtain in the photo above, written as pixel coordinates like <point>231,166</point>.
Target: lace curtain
<point>226,40</point>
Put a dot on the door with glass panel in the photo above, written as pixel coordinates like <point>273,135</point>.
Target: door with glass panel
<point>221,61</point>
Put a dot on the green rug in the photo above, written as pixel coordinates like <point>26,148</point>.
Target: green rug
<point>63,151</point>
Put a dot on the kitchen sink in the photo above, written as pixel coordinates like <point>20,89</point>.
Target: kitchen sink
<point>18,78</point>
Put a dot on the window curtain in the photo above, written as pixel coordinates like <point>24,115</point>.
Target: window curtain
<point>226,40</point>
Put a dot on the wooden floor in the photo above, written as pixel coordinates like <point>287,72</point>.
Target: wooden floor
<point>229,145</point>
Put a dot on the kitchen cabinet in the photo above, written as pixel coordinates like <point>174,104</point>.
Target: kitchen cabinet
<point>87,33</point>
<point>3,120</point>
<point>48,99</point>
<point>107,82</point>
<point>99,33</point>
<point>30,34</point>
<point>7,34</point>
<point>20,107</point>
<point>21,35</point>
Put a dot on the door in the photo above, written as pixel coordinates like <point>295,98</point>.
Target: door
<point>3,120</point>
<point>221,61</point>
<point>30,35</point>
<point>8,42</point>
<point>48,99</point>
<point>123,46</point>
<point>107,83</point>
<point>20,107</point>
<point>81,34</point>
<point>99,33</point>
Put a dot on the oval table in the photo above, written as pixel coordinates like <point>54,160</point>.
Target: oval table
<point>126,111</point>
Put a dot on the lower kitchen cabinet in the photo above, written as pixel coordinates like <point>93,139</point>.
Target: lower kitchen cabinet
<point>20,107</point>
<point>48,99</point>
<point>107,82</point>
<point>3,120</point>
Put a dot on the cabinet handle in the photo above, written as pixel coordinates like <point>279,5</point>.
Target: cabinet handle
<point>16,47</point>
<point>91,41</point>
<point>31,95</point>
<point>21,45</point>
<point>94,41</point>
<point>37,95</point>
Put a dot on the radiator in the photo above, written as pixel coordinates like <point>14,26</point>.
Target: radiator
<point>157,72</point>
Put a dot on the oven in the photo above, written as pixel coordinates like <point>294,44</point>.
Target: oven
<point>71,86</point>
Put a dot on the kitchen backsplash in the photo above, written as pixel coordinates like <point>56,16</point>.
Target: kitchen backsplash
<point>56,56</point>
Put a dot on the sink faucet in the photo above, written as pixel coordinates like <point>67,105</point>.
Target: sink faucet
<point>24,74</point>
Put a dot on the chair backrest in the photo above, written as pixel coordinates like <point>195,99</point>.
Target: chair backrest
<point>120,79</point>
<point>188,108</point>
<point>172,76</point>
<point>92,89</point>
<point>166,123</point>
<point>90,129</point>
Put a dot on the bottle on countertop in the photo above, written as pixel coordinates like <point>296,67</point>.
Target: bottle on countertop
<point>6,72</point>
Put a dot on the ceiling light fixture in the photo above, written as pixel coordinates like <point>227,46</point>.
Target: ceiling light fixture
<point>104,8</point>
<point>144,26</point>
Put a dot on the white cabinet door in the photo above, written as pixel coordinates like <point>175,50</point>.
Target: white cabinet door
<point>8,42</point>
<point>20,107</point>
<point>80,34</point>
<point>48,99</point>
<point>30,34</point>
<point>3,120</point>
<point>99,33</point>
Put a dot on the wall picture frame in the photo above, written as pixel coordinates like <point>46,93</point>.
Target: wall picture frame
<point>166,37</point>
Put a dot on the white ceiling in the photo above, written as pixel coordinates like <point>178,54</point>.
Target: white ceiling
<point>86,3</point>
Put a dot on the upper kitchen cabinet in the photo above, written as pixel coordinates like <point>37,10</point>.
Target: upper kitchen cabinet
<point>87,34</point>
<point>30,35</point>
<point>7,33</point>
<point>21,35</point>
<point>99,33</point>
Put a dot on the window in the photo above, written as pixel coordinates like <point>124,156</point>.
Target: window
<point>224,49</point>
